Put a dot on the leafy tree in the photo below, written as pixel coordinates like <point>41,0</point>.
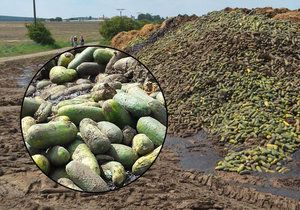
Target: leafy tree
<point>109,28</point>
<point>149,17</point>
<point>39,33</point>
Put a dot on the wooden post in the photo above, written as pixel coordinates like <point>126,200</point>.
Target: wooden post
<point>34,12</point>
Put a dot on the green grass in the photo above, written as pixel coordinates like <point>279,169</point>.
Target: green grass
<point>14,49</point>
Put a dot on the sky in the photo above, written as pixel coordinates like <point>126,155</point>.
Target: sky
<point>108,8</point>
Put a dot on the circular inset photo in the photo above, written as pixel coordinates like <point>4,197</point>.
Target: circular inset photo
<point>93,119</point>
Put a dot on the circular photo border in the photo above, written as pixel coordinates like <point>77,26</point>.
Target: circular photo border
<point>55,57</point>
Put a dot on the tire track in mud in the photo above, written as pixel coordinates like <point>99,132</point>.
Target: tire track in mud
<point>165,186</point>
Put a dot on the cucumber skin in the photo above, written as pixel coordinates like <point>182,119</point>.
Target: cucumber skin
<point>42,162</point>
<point>116,114</point>
<point>85,56</point>
<point>45,135</point>
<point>136,106</point>
<point>85,178</point>
<point>79,151</point>
<point>123,154</point>
<point>58,156</point>
<point>97,141</point>
<point>113,132</point>
<point>78,112</point>
<point>30,106</point>
<point>114,171</point>
<point>142,164</point>
<point>153,129</point>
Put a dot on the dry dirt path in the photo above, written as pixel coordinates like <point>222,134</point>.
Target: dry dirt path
<point>39,54</point>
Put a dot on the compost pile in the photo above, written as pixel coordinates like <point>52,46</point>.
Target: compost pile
<point>125,38</point>
<point>89,129</point>
<point>235,74</point>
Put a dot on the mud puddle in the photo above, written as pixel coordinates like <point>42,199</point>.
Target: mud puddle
<point>195,152</point>
<point>25,76</point>
<point>198,153</point>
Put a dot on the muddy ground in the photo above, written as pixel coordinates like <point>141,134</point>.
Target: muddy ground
<point>181,178</point>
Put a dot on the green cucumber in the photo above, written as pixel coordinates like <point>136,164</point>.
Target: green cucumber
<point>123,154</point>
<point>30,106</point>
<point>153,129</point>
<point>60,75</point>
<point>78,112</point>
<point>102,56</point>
<point>64,59</point>
<point>137,107</point>
<point>116,114</point>
<point>85,56</point>
<point>42,136</point>
<point>58,156</point>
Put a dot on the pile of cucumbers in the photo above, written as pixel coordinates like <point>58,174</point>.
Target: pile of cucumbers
<point>89,130</point>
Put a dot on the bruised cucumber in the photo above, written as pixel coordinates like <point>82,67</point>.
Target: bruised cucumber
<point>113,132</point>
<point>114,171</point>
<point>79,151</point>
<point>43,112</point>
<point>158,111</point>
<point>85,178</point>
<point>78,112</point>
<point>26,123</point>
<point>97,141</point>
<point>45,135</point>
<point>85,56</point>
<point>153,129</point>
<point>68,183</point>
<point>116,113</point>
<point>143,163</point>
<point>134,105</point>
<point>142,145</point>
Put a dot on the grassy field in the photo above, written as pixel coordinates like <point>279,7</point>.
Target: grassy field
<point>13,39</point>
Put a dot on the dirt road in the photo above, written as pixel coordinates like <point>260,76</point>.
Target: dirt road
<point>165,186</point>
<point>36,55</point>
